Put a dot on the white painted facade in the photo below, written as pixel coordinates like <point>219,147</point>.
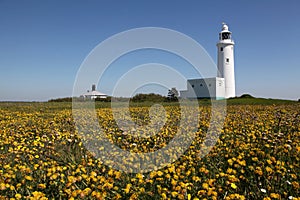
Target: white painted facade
<point>226,60</point>
<point>222,86</point>
<point>94,94</point>
<point>213,88</point>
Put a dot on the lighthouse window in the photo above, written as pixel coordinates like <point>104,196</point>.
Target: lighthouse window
<point>221,49</point>
<point>192,85</point>
<point>227,59</point>
<point>201,85</point>
<point>225,35</point>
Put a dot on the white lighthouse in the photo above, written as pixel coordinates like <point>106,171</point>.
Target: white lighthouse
<point>226,60</point>
<point>222,86</point>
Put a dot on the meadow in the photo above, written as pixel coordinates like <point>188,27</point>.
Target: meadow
<point>256,156</point>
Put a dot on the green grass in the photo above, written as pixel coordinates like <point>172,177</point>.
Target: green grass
<point>259,101</point>
<point>52,106</point>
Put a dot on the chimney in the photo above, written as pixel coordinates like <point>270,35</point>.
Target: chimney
<point>93,87</point>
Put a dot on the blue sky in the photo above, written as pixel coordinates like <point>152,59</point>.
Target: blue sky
<point>43,43</point>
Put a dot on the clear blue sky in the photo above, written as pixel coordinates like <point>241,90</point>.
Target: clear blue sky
<point>43,43</point>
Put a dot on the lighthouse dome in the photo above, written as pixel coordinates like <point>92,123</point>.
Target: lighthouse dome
<point>225,27</point>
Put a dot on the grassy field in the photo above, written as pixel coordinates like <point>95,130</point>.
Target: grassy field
<point>256,156</point>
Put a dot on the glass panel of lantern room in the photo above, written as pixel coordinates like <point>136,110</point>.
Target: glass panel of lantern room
<point>225,36</point>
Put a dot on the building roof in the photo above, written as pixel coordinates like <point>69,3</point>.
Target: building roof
<point>94,93</point>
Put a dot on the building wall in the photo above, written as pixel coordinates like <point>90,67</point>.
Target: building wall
<point>226,65</point>
<point>205,88</point>
<point>220,88</point>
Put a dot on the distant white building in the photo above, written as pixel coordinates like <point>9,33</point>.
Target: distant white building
<point>94,94</point>
<point>222,86</point>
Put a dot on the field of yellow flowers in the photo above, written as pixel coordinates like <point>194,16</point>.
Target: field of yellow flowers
<point>256,156</point>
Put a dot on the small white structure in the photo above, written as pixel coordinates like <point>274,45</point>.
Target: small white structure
<point>205,88</point>
<point>222,86</point>
<point>94,94</point>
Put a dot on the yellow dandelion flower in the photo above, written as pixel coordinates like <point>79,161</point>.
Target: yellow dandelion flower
<point>117,174</point>
<point>274,195</point>
<point>205,186</point>
<point>86,191</point>
<point>127,189</point>
<point>267,198</point>
<point>93,174</point>
<point>18,196</point>
<point>139,176</point>
<point>233,185</point>
<point>269,161</point>
<point>74,193</point>
<point>229,171</point>
<point>242,163</point>
<point>12,187</point>
<point>255,159</point>
<point>168,176</point>
<point>174,194</point>
<point>2,186</point>
<point>230,162</point>
<point>189,196</point>
<point>269,169</point>
<point>172,169</point>
<point>181,196</point>
<point>29,178</point>
<point>110,172</point>
<point>152,174</point>
<point>294,176</point>
<point>295,184</point>
<point>164,196</point>
<point>202,169</point>
<point>160,173</point>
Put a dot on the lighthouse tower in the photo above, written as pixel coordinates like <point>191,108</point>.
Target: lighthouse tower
<point>226,60</point>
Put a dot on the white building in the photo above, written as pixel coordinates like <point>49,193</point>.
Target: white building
<point>222,86</point>
<point>205,88</point>
<point>94,94</point>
